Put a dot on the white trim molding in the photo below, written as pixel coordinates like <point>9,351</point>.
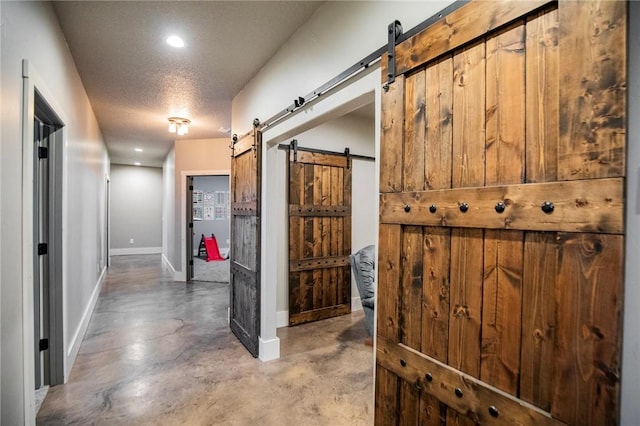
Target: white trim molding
<point>135,250</point>
<point>78,336</point>
<point>269,349</point>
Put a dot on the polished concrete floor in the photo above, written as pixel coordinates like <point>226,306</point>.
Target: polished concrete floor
<point>159,352</point>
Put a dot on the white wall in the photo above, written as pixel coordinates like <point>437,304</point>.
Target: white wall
<point>30,31</point>
<point>136,209</point>
<point>168,210</point>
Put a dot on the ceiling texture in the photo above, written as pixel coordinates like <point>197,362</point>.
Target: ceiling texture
<point>136,81</point>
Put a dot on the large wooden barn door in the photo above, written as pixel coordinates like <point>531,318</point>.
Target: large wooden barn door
<point>501,211</point>
<point>246,169</point>
<point>319,236</point>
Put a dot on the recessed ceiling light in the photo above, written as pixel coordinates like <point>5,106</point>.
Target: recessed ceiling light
<point>136,164</point>
<point>175,41</point>
<point>138,149</point>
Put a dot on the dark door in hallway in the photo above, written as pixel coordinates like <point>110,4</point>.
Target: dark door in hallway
<point>47,245</point>
<point>319,236</point>
<point>189,231</point>
<point>501,217</point>
<point>246,169</point>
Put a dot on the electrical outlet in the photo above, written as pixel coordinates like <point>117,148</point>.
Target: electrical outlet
<point>131,241</point>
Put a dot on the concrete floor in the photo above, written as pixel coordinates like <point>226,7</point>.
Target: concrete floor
<point>159,352</point>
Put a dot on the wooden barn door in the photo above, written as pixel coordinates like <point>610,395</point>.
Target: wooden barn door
<point>319,236</point>
<point>501,211</point>
<point>246,169</point>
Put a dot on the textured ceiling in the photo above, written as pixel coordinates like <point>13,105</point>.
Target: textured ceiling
<point>135,80</point>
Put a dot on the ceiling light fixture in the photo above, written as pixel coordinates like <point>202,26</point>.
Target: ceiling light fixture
<point>137,149</point>
<point>136,163</point>
<point>179,125</point>
<point>175,41</point>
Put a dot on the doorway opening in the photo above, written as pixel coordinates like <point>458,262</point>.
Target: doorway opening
<point>208,228</point>
<point>47,243</point>
<point>349,227</point>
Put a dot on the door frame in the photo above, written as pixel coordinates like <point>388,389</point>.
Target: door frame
<point>362,89</point>
<point>33,81</point>
<point>181,275</point>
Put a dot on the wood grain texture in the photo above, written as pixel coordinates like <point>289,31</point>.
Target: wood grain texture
<point>542,98</point>
<point>589,301</point>
<point>386,398</point>
<point>388,266</point>
<point>458,28</point>
<point>538,318</point>
<point>466,300</point>
<point>410,296</point>
<point>501,310</point>
<point>244,288</point>
<point>439,122</point>
<point>414,133</point>
<point>435,296</point>
<point>505,106</point>
<point>391,137</point>
<point>579,206</point>
<point>593,49</point>
<point>412,366</point>
<point>469,113</point>
<point>319,271</point>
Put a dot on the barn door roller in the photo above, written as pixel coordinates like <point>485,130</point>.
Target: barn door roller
<point>395,31</point>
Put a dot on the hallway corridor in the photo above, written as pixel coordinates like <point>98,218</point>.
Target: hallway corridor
<point>159,352</point>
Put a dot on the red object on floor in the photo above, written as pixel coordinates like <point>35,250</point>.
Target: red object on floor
<point>213,252</point>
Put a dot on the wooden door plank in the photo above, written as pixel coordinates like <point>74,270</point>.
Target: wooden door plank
<point>589,302</point>
<point>593,49</point>
<point>476,396</point>
<point>466,300</point>
<point>391,137</point>
<point>439,123</point>
<point>505,100</point>
<point>410,303</point>
<point>542,124</point>
<point>435,311</point>
<point>505,141</point>
<point>414,133</point>
<point>388,281</point>
<point>345,290</point>
<point>538,318</point>
<point>318,275</point>
<point>386,398</point>
<point>458,28</point>
<point>468,155</point>
<point>594,205</point>
<point>469,113</point>
<point>501,310</point>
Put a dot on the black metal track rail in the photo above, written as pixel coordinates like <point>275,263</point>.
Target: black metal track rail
<point>288,147</point>
<point>354,69</point>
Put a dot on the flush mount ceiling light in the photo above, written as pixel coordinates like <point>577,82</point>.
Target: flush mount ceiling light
<point>179,125</point>
<point>175,41</point>
<point>137,149</point>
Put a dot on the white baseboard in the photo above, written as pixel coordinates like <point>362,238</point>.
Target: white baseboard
<point>356,304</point>
<point>135,250</point>
<point>76,341</point>
<point>269,349</point>
<point>282,319</point>
<point>168,265</point>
